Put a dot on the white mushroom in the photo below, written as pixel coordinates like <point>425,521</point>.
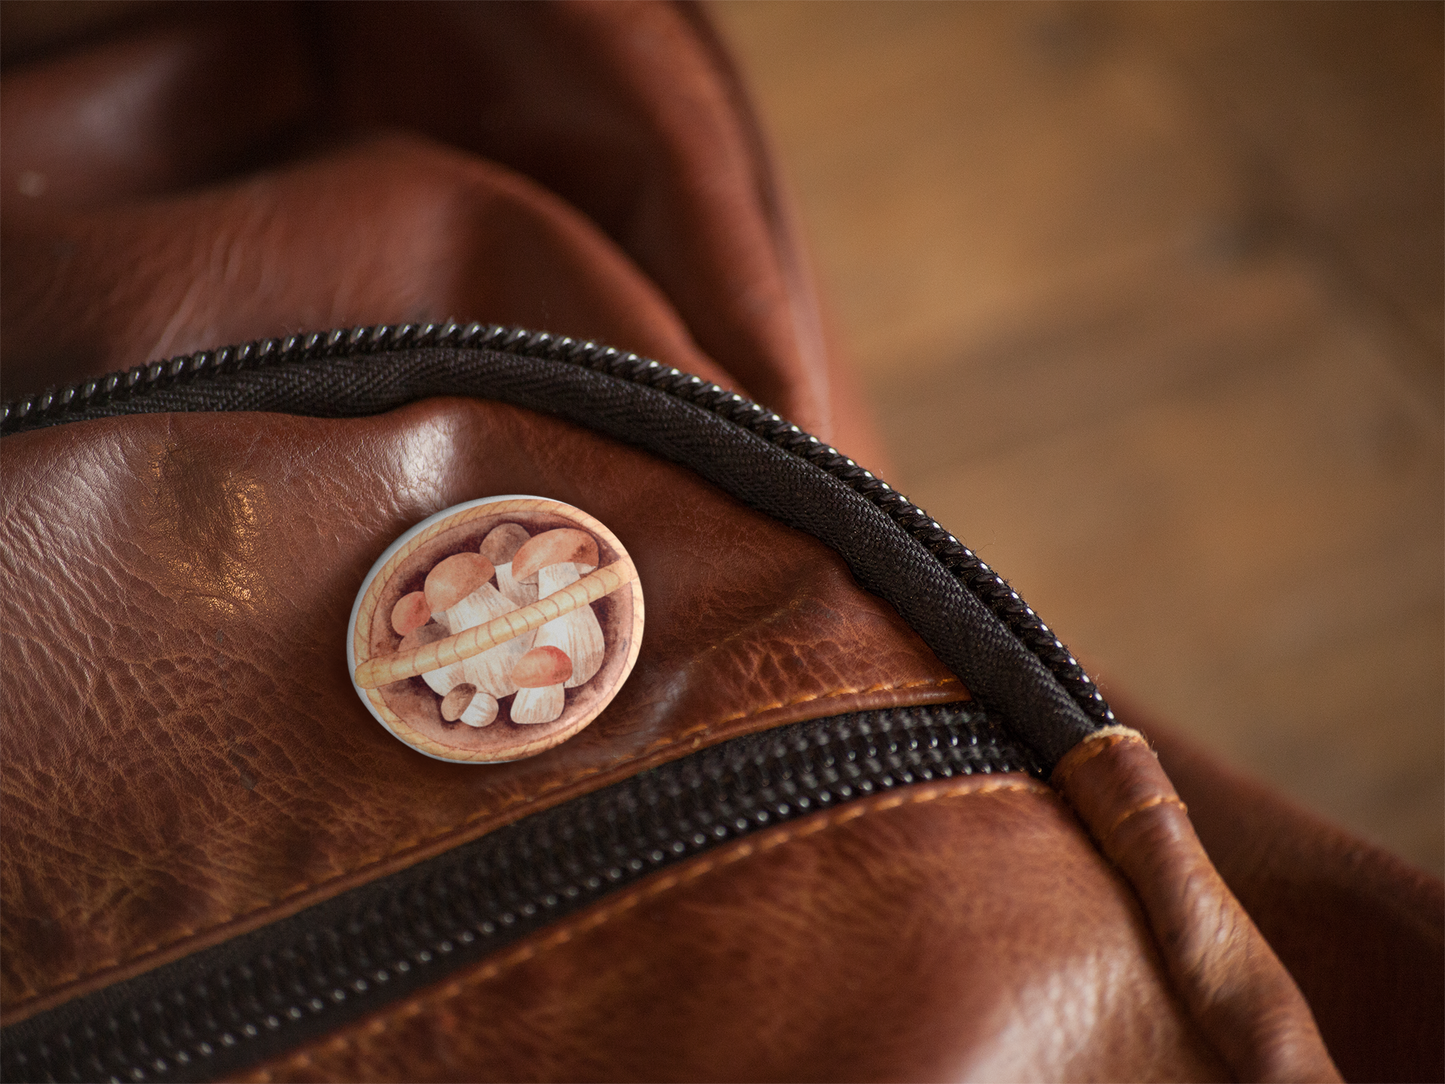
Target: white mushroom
<point>498,547</point>
<point>482,711</point>
<point>461,596</point>
<point>554,560</point>
<point>467,704</point>
<point>539,675</point>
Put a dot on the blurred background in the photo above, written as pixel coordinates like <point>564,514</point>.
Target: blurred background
<point>1148,300</point>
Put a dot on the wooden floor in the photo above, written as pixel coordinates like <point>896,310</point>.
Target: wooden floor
<point>1149,301</point>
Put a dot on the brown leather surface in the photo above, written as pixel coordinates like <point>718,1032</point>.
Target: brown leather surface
<point>1233,983</point>
<point>956,958</point>
<point>213,173</point>
<point>185,756</point>
<point>1362,932</point>
<point>205,176</point>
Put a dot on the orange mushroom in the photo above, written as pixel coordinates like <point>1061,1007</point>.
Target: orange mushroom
<point>554,560</point>
<point>410,613</point>
<point>539,675</point>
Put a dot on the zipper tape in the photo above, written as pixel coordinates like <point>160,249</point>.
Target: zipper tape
<point>262,993</point>
<point>965,612</point>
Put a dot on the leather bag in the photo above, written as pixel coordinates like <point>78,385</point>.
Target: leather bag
<point>857,813</point>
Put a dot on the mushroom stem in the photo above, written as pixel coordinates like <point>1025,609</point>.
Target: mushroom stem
<point>523,594</point>
<point>481,710</point>
<point>540,705</point>
<point>578,634</point>
<point>483,604</point>
<point>499,547</point>
<point>490,670</point>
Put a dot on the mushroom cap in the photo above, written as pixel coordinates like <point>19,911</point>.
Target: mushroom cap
<point>456,701</point>
<point>503,542</point>
<point>565,544</point>
<point>542,666</point>
<point>410,612</point>
<point>454,578</point>
<point>422,635</point>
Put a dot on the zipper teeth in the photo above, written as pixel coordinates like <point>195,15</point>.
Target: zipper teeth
<point>478,898</point>
<point>987,585</point>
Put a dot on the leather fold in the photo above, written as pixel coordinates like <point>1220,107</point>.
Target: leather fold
<point>1232,981</point>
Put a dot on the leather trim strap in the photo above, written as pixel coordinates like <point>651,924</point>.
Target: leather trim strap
<point>1236,988</point>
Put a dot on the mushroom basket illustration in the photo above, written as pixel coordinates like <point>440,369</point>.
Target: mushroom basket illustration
<point>496,629</point>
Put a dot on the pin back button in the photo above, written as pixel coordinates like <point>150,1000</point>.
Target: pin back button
<point>495,629</point>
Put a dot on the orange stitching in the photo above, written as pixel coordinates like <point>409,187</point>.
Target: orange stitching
<point>1147,803</point>
<point>420,1003</point>
<point>372,860</point>
<point>1089,747</point>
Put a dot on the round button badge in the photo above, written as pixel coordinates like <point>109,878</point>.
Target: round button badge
<point>495,629</point>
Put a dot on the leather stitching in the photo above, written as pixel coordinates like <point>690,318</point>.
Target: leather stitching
<point>1147,803</point>
<point>1091,746</point>
<point>569,931</point>
<point>411,844</point>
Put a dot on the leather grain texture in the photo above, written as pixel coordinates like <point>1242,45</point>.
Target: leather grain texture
<point>956,957</point>
<point>185,755</point>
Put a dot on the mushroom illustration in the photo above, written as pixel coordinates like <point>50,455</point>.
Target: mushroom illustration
<point>411,612</point>
<point>445,678</point>
<point>467,704</point>
<point>539,675</point>
<point>498,547</point>
<point>554,560</point>
<point>459,591</point>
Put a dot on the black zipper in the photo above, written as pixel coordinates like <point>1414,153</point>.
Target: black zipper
<point>260,994</point>
<point>187,377</point>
